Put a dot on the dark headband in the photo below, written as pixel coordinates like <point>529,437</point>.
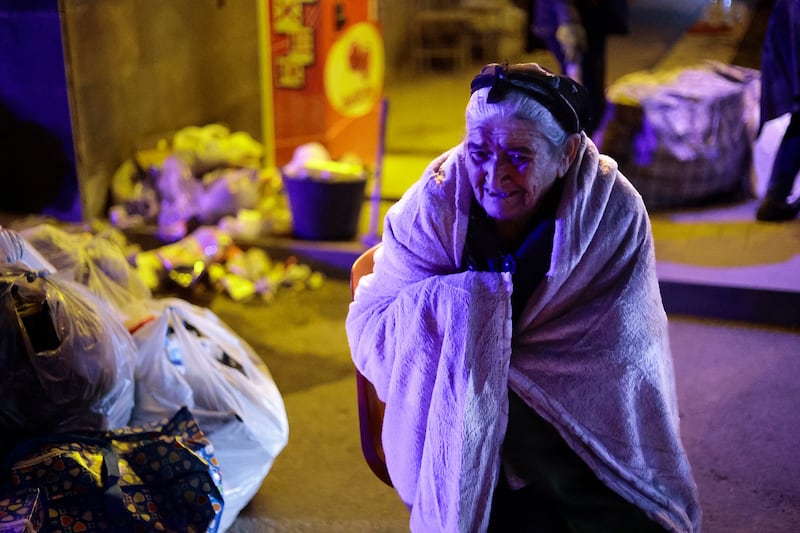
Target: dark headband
<point>565,98</point>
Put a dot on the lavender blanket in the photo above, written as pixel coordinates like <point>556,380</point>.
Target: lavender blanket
<point>589,353</point>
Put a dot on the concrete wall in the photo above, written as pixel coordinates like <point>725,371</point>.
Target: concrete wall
<point>142,68</point>
<point>37,159</point>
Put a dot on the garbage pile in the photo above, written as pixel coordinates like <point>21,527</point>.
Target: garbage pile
<point>210,256</point>
<point>201,176</point>
<point>164,417</point>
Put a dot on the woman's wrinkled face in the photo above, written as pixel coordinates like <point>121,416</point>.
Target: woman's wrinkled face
<point>511,167</point>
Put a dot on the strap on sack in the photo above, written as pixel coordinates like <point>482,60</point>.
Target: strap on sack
<point>113,498</point>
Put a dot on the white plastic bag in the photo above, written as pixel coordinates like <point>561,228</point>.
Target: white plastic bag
<point>764,151</point>
<point>188,356</point>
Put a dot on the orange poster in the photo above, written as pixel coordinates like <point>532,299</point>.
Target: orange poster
<point>325,66</point>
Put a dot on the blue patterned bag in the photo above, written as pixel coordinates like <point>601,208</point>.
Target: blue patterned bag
<point>162,477</point>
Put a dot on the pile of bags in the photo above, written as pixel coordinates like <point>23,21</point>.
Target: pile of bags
<point>149,399</point>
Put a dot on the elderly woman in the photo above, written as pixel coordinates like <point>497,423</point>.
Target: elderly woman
<point>514,328</point>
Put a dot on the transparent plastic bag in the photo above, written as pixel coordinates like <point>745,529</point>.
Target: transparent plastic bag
<point>16,250</point>
<point>98,263</point>
<point>189,357</point>
<point>66,363</point>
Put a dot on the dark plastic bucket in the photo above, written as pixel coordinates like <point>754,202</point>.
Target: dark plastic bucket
<point>325,210</point>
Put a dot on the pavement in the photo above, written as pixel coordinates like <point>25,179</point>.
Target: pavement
<point>728,282</point>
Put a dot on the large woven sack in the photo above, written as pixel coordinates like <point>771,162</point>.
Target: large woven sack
<point>682,138</point>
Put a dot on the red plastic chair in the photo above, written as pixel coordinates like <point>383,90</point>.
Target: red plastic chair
<point>370,407</point>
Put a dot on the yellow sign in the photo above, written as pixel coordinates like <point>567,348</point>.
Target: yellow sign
<point>354,70</point>
<point>296,39</point>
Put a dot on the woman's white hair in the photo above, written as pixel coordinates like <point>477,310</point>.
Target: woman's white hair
<point>520,106</point>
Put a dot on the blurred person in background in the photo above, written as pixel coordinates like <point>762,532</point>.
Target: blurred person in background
<point>575,32</point>
<point>780,94</point>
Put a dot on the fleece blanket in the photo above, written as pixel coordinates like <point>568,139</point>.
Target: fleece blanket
<point>589,353</point>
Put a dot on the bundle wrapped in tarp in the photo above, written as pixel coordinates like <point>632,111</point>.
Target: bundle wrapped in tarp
<point>684,136</point>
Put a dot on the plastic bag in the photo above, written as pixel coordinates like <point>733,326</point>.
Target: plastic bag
<point>162,477</point>
<point>226,191</point>
<point>65,362</point>
<point>187,356</point>
<point>15,250</point>
<point>97,262</point>
<point>214,145</point>
<point>180,193</point>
